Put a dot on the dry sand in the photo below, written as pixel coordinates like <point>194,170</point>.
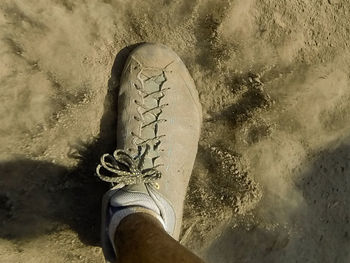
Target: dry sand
<point>271,179</point>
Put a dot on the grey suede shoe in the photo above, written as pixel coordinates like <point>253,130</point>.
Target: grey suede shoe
<point>159,119</point>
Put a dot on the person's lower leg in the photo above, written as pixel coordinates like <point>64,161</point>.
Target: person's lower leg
<point>141,238</point>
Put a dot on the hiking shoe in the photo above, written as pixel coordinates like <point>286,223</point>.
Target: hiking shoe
<point>159,119</point>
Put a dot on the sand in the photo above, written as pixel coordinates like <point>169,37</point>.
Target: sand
<point>271,178</point>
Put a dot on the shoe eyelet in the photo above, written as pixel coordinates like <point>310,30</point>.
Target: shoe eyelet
<point>156,185</point>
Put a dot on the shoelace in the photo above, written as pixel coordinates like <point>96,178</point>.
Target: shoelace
<point>122,169</point>
<point>159,94</point>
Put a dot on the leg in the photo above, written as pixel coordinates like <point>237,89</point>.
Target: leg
<point>159,119</point>
<point>141,238</point>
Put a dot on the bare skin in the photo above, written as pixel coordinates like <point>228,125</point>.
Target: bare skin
<point>140,238</point>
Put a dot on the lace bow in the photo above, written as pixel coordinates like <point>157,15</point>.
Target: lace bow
<point>121,168</point>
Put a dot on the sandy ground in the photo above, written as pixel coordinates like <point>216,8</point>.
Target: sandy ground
<point>271,179</point>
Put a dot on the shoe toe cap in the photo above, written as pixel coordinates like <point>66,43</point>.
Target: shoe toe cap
<point>154,55</point>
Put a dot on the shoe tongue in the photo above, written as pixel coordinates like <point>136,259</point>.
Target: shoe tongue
<point>140,188</point>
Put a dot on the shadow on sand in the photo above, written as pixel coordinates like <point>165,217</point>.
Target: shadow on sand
<point>38,197</point>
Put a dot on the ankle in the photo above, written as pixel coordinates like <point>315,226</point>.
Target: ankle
<point>137,224</point>
<point>135,231</point>
<point>141,238</point>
